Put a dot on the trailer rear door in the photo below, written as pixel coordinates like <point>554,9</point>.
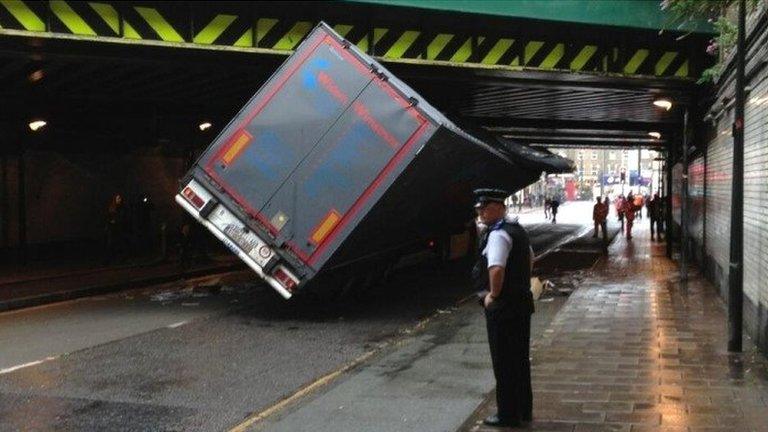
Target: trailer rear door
<point>316,145</point>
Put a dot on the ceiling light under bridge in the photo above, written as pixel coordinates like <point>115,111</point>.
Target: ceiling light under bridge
<point>36,125</point>
<point>666,104</point>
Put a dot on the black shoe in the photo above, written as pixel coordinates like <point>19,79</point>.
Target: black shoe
<point>494,420</point>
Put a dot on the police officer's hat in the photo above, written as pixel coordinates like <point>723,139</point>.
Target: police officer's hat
<point>484,196</point>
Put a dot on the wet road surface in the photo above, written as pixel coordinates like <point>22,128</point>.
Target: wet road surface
<point>186,357</point>
<point>211,372</point>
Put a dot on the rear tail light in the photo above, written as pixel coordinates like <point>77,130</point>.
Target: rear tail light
<point>193,197</point>
<point>285,279</point>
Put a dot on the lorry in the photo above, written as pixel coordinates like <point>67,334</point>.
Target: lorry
<point>336,166</point>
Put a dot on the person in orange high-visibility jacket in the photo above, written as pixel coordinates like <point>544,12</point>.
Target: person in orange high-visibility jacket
<point>619,203</point>
<point>639,201</point>
<point>629,213</point>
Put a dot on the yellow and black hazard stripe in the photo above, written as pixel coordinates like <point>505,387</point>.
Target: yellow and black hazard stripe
<point>643,61</point>
<point>499,51</point>
<point>281,35</point>
<point>20,15</point>
<point>358,35</point>
<point>448,47</point>
<point>223,29</point>
<point>90,19</point>
<point>93,19</point>
<point>162,22</point>
<point>414,44</point>
<point>490,50</point>
<point>142,22</point>
<point>539,54</point>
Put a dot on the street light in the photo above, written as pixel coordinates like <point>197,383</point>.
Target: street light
<point>664,103</point>
<point>36,125</point>
<point>36,76</point>
<point>204,126</point>
<point>656,135</point>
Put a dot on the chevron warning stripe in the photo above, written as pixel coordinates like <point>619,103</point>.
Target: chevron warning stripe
<point>223,29</point>
<point>16,14</point>
<point>281,35</point>
<point>160,21</point>
<point>71,19</point>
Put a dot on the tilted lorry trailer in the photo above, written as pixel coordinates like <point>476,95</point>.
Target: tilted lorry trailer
<point>335,162</point>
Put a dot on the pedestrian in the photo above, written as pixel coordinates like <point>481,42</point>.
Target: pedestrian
<point>503,276</point>
<point>554,205</point>
<point>515,199</point>
<point>638,202</point>
<point>599,216</point>
<point>629,214</point>
<point>547,205</point>
<point>654,214</point>
<point>619,204</point>
<point>190,246</point>
<point>115,229</point>
<point>647,200</point>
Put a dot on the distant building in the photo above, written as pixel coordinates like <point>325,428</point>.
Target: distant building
<point>589,168</point>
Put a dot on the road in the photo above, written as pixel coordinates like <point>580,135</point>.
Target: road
<point>203,354</point>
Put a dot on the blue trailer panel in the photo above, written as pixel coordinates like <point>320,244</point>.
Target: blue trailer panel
<point>317,169</point>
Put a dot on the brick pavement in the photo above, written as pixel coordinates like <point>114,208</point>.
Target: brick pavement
<point>634,350</point>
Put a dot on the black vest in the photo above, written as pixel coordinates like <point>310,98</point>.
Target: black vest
<point>515,297</point>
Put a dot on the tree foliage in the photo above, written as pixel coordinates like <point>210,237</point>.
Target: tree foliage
<point>722,15</point>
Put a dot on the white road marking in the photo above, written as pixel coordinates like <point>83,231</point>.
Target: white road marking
<point>22,366</point>
<point>178,324</point>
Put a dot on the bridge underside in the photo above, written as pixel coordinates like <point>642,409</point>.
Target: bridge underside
<point>125,108</point>
<point>557,109</point>
<point>141,94</point>
<point>151,71</point>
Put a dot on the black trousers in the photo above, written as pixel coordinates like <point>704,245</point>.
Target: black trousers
<point>601,226</point>
<point>658,230</point>
<point>510,342</point>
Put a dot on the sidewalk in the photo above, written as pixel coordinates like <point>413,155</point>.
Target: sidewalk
<point>634,350</point>
<point>43,284</point>
<point>429,381</point>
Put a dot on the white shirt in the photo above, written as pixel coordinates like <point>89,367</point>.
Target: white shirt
<point>498,247</point>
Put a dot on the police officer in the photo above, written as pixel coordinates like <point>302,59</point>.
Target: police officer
<point>503,274</point>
